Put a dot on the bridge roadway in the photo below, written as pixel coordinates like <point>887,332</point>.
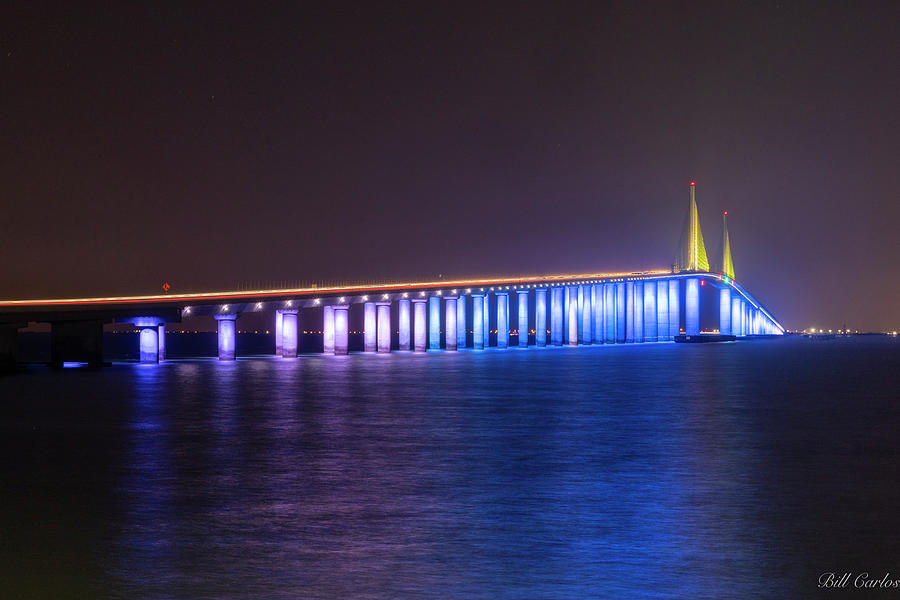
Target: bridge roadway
<point>595,308</point>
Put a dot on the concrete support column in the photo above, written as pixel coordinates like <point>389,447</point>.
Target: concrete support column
<point>478,321</point>
<point>674,308</point>
<point>639,311</point>
<point>420,330</point>
<point>434,323</point>
<point>692,306</point>
<point>461,322</point>
<point>662,311</point>
<point>486,317</point>
<point>522,313</point>
<point>620,312</point>
<point>609,317</point>
<point>289,333</point>
<point>556,315</point>
<point>629,312</point>
<point>572,316</point>
<point>578,293</point>
<point>650,332</point>
<point>450,325</point>
<point>383,327</point>
<point>587,336</point>
<point>328,330</point>
<point>403,316</point>
<point>149,344</point>
<point>227,326</point>
<point>540,317</point>
<point>370,327</point>
<point>736,316</point>
<point>725,311</point>
<point>597,317</point>
<point>278,334</point>
<point>502,320</point>
<point>340,329</point>
<point>162,342</point>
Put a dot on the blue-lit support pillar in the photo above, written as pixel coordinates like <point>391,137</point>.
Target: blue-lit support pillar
<point>278,334</point>
<point>149,344</point>
<point>736,316</point>
<point>486,319</point>
<point>587,336</point>
<point>227,331</point>
<point>450,325</point>
<point>328,329</point>
<point>540,317</point>
<point>597,309</point>
<point>609,301</point>
<point>478,321</point>
<point>674,309</point>
<point>662,310</point>
<point>419,325</point>
<point>725,311</point>
<point>383,327</point>
<point>638,311</point>
<point>620,312</point>
<point>403,326</point>
<point>340,329</point>
<point>289,337</point>
<point>692,306</point>
<point>502,320</point>
<point>629,312</point>
<point>370,327</point>
<point>572,317</point>
<point>650,332</point>
<point>567,299</point>
<point>578,292</point>
<point>522,312</point>
<point>434,323</point>
<point>556,315</point>
<point>461,322</point>
<point>162,342</point>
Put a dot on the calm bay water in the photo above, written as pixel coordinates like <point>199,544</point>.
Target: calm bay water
<point>740,470</point>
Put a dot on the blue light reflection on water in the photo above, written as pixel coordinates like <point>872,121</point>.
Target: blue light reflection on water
<point>657,470</point>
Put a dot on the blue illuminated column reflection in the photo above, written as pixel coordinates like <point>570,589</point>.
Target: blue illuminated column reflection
<point>226,327</point>
<point>522,313</point>
<point>597,318</point>
<point>692,306</point>
<point>403,325</point>
<point>502,320</point>
<point>419,328</point>
<point>638,311</point>
<point>540,317</point>
<point>461,322</point>
<point>289,337</point>
<point>434,323</point>
<point>450,337</point>
<point>328,329</point>
<point>650,333</point>
<point>586,316</point>
<point>162,342</point>
<point>662,311</point>
<point>620,312</point>
<point>478,321</point>
<point>609,314</point>
<point>370,324</point>
<point>556,316</point>
<point>572,318</point>
<point>674,309</point>
<point>149,344</point>
<point>340,327</point>
<point>278,335</point>
<point>384,326</point>
<point>725,311</point>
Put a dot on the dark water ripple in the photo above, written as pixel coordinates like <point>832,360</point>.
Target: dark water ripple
<point>648,471</point>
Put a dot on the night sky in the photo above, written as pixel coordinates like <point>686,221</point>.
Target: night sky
<point>216,145</point>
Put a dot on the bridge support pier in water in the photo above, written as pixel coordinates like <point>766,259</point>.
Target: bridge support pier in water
<point>420,334</point>
<point>369,327</point>
<point>692,306</point>
<point>227,333</point>
<point>662,311</point>
<point>434,323</point>
<point>540,317</point>
<point>450,325</point>
<point>384,327</point>
<point>461,321</point>
<point>340,329</point>
<point>522,314</point>
<point>478,321</point>
<point>328,329</point>
<point>639,325</point>
<point>556,316</point>
<point>290,324</point>
<point>650,331</point>
<point>502,320</point>
<point>725,311</point>
<point>403,316</point>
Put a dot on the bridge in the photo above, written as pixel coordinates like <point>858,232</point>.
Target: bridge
<point>592,308</point>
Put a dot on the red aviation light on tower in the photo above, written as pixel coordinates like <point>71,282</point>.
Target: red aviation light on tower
<point>692,183</point>
<point>725,212</point>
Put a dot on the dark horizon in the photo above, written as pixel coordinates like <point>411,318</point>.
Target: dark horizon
<point>212,146</point>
